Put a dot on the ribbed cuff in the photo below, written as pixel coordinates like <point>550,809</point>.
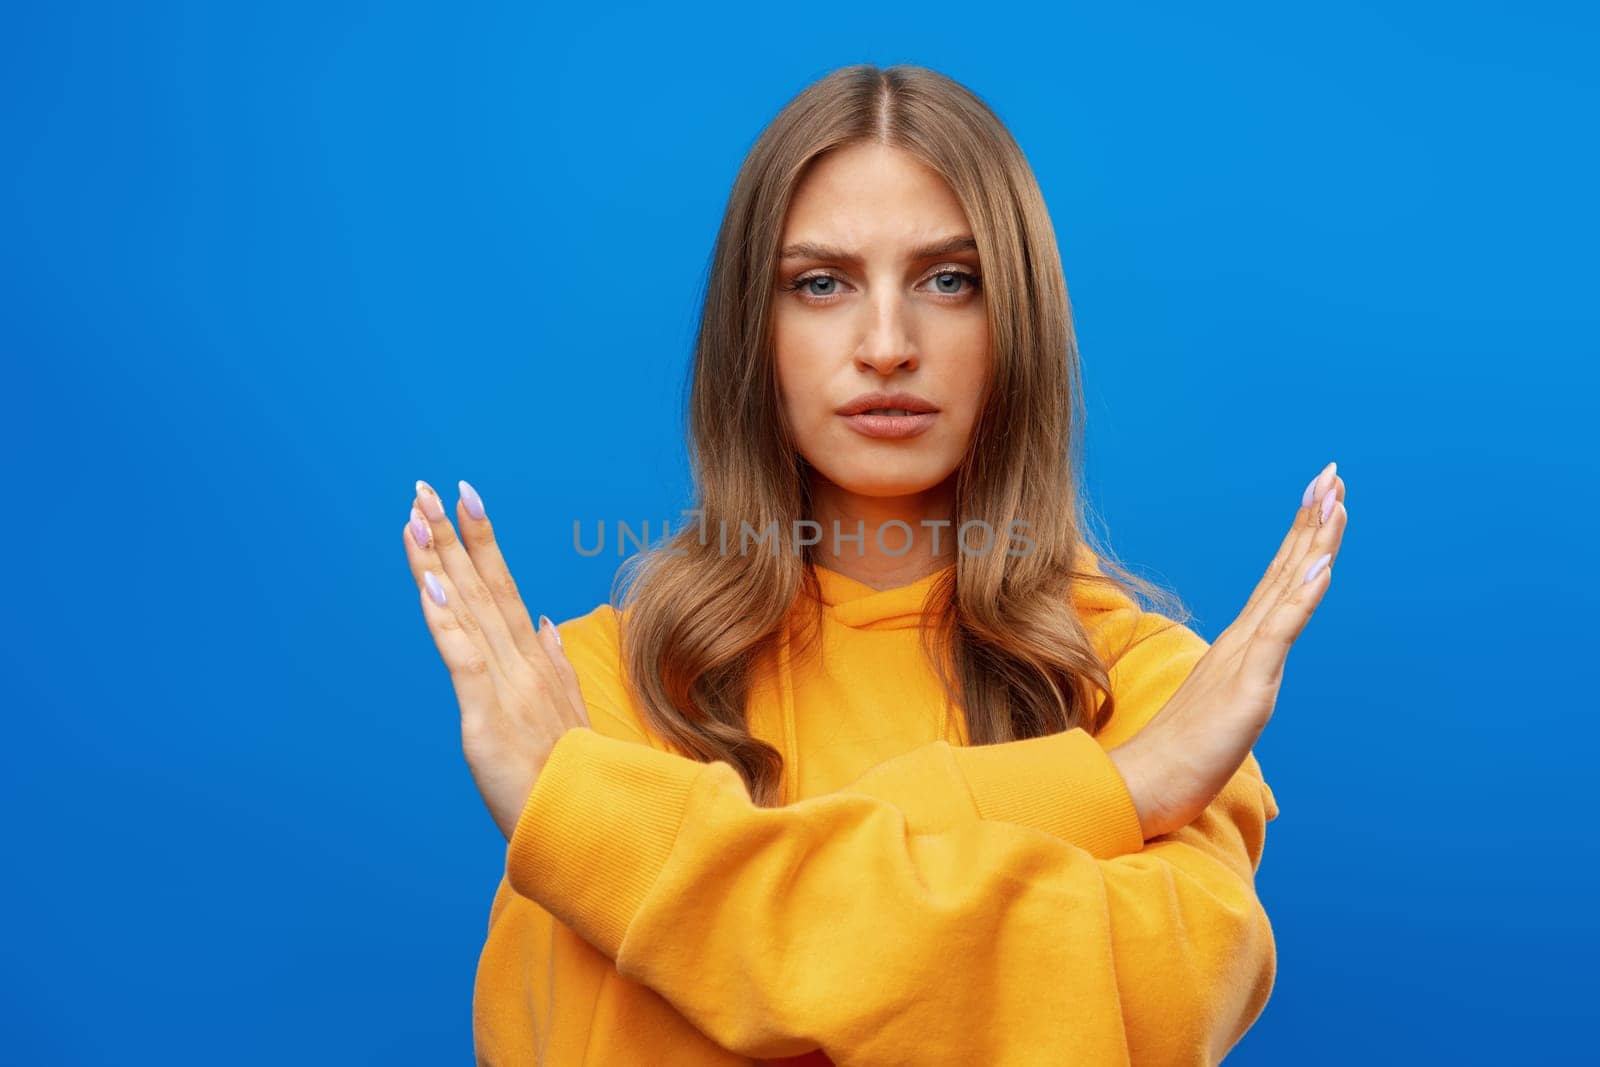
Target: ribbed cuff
<point>596,831</point>
<point>1064,784</point>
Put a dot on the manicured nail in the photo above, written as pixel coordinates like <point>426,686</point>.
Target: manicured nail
<point>1316,567</point>
<point>1327,506</point>
<point>470,497</point>
<point>1314,490</point>
<point>420,532</point>
<point>544,620</point>
<point>435,590</point>
<point>432,506</point>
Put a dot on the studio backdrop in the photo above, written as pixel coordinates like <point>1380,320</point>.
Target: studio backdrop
<point>264,267</point>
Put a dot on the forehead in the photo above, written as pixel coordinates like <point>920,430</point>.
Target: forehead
<point>870,194</point>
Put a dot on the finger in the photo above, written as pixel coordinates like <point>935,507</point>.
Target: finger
<point>422,560</point>
<point>510,664</point>
<point>475,597</point>
<point>1268,650</point>
<point>1292,550</point>
<point>1325,541</point>
<point>477,533</point>
<point>1308,519</point>
<point>471,668</point>
<point>1290,584</point>
<point>1309,539</point>
<point>550,637</point>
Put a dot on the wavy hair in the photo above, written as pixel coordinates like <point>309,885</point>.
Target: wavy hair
<point>1009,648</point>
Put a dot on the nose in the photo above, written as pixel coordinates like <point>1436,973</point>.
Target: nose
<point>888,345</point>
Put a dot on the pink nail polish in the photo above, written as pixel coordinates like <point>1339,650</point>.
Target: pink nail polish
<point>470,497</point>
<point>435,590</point>
<point>420,533</point>
<point>431,504</point>
<point>1314,490</point>
<point>1316,567</point>
<point>1327,505</point>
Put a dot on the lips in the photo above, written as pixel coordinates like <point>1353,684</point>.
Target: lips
<point>900,404</point>
<point>891,427</point>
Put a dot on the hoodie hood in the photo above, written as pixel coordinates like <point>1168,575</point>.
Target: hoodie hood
<point>856,604</point>
<point>849,602</point>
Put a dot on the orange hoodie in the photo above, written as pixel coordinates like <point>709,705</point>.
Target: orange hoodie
<point>917,901</point>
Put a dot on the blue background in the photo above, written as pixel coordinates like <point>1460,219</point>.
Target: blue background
<point>264,269</point>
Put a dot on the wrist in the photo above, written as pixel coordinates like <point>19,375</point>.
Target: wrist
<point>1133,765</point>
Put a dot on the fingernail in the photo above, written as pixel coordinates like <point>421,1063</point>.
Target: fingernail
<point>435,590</point>
<point>1326,477</point>
<point>1316,567</point>
<point>1327,506</point>
<point>1314,490</point>
<point>432,506</point>
<point>470,497</point>
<point>544,620</point>
<point>420,533</point>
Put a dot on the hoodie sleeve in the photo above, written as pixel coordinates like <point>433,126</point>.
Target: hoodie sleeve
<point>835,922</point>
<point>1062,784</point>
<point>1065,783</point>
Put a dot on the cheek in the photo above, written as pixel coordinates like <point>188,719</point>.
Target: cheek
<point>800,360</point>
<point>969,374</point>
<point>791,379</point>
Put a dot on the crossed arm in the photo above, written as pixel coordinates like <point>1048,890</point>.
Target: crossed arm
<point>994,904</point>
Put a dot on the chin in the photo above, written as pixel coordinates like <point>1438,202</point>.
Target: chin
<point>869,479</point>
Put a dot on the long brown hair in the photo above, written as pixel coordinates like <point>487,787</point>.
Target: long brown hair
<point>1010,649</point>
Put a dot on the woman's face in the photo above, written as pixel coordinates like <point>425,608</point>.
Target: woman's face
<point>878,291</point>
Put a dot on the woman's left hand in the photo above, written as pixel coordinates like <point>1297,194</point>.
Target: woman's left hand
<point>518,694</point>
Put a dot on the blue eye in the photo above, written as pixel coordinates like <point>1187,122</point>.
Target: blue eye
<point>830,285</point>
<point>971,280</point>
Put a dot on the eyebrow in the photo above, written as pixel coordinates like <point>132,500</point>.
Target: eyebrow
<point>812,250</point>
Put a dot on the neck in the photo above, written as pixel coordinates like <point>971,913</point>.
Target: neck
<point>909,556</point>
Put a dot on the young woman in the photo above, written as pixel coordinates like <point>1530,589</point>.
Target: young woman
<point>910,780</point>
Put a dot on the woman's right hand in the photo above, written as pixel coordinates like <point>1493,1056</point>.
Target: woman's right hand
<point>1183,757</point>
